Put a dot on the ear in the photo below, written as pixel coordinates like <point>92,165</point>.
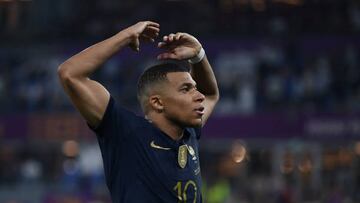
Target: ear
<point>156,103</point>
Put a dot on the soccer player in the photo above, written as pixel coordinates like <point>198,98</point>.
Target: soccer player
<point>152,159</point>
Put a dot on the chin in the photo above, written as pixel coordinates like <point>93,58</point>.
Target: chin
<point>197,123</point>
<point>191,123</point>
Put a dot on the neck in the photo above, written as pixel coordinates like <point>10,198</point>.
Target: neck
<point>174,131</point>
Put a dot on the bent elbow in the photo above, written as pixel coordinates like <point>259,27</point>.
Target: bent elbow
<point>62,72</point>
<point>65,72</point>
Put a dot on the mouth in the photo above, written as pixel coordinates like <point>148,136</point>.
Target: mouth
<point>200,111</point>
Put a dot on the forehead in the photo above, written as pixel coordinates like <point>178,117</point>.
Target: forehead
<point>179,78</point>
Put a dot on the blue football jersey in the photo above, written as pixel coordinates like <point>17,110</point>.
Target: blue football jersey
<point>142,164</point>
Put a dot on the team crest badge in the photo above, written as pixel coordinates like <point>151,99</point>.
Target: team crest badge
<point>182,156</point>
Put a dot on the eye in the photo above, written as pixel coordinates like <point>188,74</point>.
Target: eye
<point>184,90</point>
<point>187,88</point>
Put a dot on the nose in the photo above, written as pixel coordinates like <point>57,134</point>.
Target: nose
<point>199,96</point>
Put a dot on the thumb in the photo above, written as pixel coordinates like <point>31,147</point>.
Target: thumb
<point>135,45</point>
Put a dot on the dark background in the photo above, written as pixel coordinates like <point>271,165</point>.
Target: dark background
<point>286,129</point>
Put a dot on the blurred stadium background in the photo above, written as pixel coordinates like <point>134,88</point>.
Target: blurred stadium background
<point>287,127</point>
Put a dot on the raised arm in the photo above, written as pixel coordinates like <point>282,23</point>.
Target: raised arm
<point>89,96</point>
<point>182,46</point>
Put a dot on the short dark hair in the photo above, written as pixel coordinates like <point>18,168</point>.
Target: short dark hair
<point>153,75</point>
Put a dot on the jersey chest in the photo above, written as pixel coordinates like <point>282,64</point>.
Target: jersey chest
<point>176,165</point>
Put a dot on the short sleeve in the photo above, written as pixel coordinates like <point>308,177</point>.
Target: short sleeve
<point>108,116</point>
<point>113,133</point>
<point>116,122</point>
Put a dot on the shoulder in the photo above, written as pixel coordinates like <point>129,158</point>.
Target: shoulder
<point>117,116</point>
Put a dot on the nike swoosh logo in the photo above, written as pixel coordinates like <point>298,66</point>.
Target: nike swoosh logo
<point>153,145</point>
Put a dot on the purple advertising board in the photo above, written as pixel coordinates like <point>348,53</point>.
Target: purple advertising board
<point>284,126</point>
<point>320,126</point>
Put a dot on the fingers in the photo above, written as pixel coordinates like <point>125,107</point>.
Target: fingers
<point>178,36</point>
<point>172,37</point>
<point>171,41</point>
<point>145,31</point>
<point>135,45</point>
<point>167,55</point>
<point>146,38</point>
<point>167,46</point>
<point>152,24</point>
<point>151,32</point>
<point>161,44</point>
<point>152,29</point>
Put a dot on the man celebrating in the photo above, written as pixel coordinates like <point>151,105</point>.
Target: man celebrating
<point>152,159</point>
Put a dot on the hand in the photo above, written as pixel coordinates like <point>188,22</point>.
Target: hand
<point>145,31</point>
<point>179,46</point>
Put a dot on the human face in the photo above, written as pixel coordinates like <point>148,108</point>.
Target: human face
<point>183,103</point>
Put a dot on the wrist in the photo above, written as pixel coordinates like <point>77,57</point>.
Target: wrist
<point>199,57</point>
<point>126,35</point>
